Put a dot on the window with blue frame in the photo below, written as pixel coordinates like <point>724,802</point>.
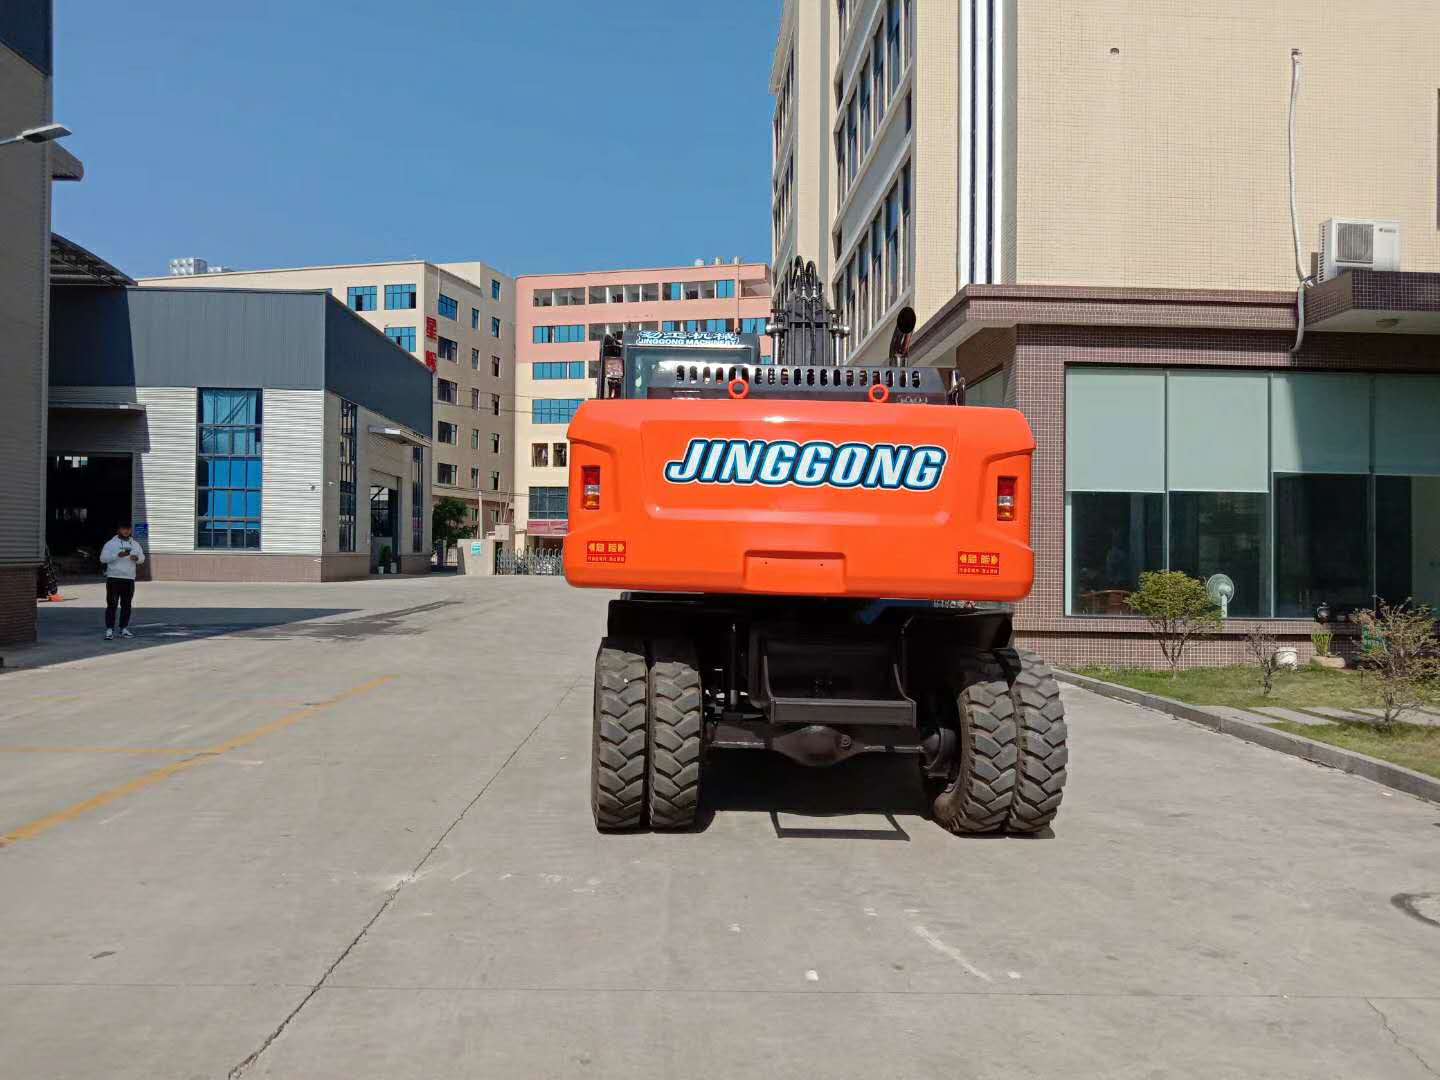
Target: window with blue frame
<point>361,297</point>
<point>670,326</point>
<point>551,335</point>
<point>448,306</point>
<point>559,369</point>
<point>404,336</point>
<point>554,410</point>
<point>549,503</point>
<point>399,297</point>
<point>228,470</point>
<point>494,327</point>
<point>753,326</point>
<point>674,290</point>
<point>494,289</point>
<point>724,290</point>
<point>474,318</point>
<point>719,326</point>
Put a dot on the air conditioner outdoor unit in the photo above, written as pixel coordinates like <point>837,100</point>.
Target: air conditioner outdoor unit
<point>1358,244</point>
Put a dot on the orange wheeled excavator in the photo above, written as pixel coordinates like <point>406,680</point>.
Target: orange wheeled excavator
<point>815,560</point>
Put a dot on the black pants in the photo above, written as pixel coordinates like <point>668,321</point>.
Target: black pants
<point>118,591</point>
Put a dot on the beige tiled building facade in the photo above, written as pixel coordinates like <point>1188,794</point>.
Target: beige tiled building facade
<point>562,320</point>
<point>459,319</point>
<point>1088,206</point>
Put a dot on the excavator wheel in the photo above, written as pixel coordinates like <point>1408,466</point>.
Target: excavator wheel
<point>1042,753</point>
<point>617,752</point>
<point>675,732</point>
<point>978,796</point>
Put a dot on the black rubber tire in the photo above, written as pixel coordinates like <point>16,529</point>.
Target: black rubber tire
<point>977,799</point>
<point>675,736</point>
<point>1043,755</point>
<point>617,751</point>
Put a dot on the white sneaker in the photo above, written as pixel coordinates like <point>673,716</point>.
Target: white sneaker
<point>109,635</point>
<point>126,633</point>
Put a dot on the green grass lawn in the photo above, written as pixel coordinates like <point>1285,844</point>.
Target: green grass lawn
<point>1240,687</point>
<point>1409,745</point>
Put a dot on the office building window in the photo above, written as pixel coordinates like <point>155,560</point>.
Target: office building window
<point>556,335</point>
<point>540,455</point>
<point>554,410</point>
<point>474,478</point>
<point>448,306</point>
<point>495,366</point>
<point>670,326</point>
<point>448,350</point>
<point>404,336</point>
<point>495,404</point>
<point>852,146</point>
<point>494,481</point>
<point>562,453</point>
<point>724,290</point>
<point>549,503</point>
<point>494,442</point>
<point>446,475</point>
<point>417,499</point>
<point>494,327</point>
<point>474,318</point>
<point>892,40</point>
<point>445,432</point>
<point>559,369</point>
<point>674,290</point>
<point>362,297</point>
<point>228,469</point>
<point>345,534</point>
<point>718,326</point>
<point>1214,532</point>
<point>892,245</point>
<point>475,398</point>
<point>1323,529</point>
<point>877,62</point>
<point>474,438</point>
<point>864,97</point>
<point>446,391</point>
<point>474,359</point>
<point>399,297</point>
<point>753,326</point>
<point>494,288</point>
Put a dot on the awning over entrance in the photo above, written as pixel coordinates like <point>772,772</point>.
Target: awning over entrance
<point>1371,302</point>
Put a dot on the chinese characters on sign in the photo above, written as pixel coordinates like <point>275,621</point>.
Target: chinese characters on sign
<point>432,329</point>
<point>605,551</point>
<point>979,563</point>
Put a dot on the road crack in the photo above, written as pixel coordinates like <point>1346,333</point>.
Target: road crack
<point>1398,1041</point>
<point>391,894</point>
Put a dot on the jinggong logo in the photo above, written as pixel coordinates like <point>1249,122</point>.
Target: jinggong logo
<point>879,466</point>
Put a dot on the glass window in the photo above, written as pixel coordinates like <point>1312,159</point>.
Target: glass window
<point>445,432</point>
<point>1322,543</point>
<point>446,391</point>
<point>991,392</point>
<point>474,398</point>
<point>1114,429</point>
<point>399,297</point>
<point>864,95</point>
<point>1216,431</point>
<point>404,336</point>
<point>494,481</point>
<point>559,369</point>
<point>540,455</point>
<point>348,463</point>
<point>1407,434</point>
<point>446,475</point>
<point>724,290</point>
<point>494,289</point>
<point>449,350</point>
<point>228,469</point>
<point>549,503</point>
<point>1114,537</point>
<point>1214,532</point>
<point>1407,540</point>
<point>448,306</point>
<point>892,39</point>
<point>495,366</point>
<point>494,327</point>
<point>753,326</point>
<point>495,404</point>
<point>550,335</point>
<point>562,453</point>
<point>362,297</point>
<point>554,410</point>
<point>474,480</point>
<point>494,442</point>
<point>474,318</point>
<point>474,438</point>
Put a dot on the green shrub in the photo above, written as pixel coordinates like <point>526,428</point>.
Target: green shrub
<point>1178,609</point>
<point>1322,640</point>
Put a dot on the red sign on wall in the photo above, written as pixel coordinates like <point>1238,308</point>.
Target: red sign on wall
<point>432,328</point>
<point>430,359</point>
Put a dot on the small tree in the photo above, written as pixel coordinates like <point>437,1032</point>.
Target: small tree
<point>1404,653</point>
<point>1266,651</point>
<point>1178,609</point>
<point>448,523</point>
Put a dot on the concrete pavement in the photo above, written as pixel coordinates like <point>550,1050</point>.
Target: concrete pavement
<point>361,847</point>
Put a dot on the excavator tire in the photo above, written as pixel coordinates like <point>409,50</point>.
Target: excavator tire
<point>617,752</point>
<point>675,732</point>
<point>1042,753</point>
<point>979,795</point>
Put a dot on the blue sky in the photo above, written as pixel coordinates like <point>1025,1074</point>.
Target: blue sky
<point>538,136</point>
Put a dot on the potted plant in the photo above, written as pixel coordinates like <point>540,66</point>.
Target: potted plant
<point>386,557</point>
<point>1322,640</point>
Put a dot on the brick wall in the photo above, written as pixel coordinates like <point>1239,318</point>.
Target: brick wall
<point>17,605</point>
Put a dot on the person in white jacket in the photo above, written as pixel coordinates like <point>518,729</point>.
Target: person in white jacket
<point>120,556</point>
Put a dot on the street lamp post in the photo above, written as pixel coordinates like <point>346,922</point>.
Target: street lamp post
<point>43,134</point>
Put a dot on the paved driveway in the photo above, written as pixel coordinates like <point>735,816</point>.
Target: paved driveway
<point>361,847</point>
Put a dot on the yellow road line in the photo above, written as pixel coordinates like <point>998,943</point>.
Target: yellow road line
<point>150,779</point>
<point>158,751</point>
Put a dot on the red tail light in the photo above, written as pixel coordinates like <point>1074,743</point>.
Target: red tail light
<point>1005,499</point>
<point>590,487</point>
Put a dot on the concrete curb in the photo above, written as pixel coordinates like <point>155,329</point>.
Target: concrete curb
<point>1382,772</point>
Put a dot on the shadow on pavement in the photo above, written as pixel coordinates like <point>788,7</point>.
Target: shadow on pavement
<point>750,780</point>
